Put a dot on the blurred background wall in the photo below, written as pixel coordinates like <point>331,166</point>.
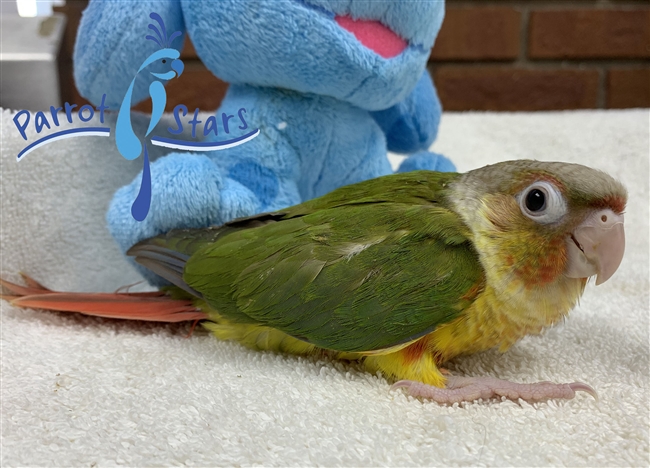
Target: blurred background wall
<point>504,55</point>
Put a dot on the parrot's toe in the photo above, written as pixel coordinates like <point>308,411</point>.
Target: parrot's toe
<point>583,387</point>
<point>472,388</point>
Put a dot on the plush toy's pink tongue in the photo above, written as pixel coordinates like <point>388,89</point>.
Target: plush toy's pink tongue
<point>374,35</point>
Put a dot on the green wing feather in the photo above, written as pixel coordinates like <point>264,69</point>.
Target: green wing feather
<point>367,267</point>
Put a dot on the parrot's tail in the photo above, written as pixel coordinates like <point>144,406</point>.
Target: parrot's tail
<point>156,306</point>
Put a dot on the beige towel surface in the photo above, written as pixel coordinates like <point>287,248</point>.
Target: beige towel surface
<point>79,391</point>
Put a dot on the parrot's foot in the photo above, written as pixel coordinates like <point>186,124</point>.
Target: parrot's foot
<point>472,388</point>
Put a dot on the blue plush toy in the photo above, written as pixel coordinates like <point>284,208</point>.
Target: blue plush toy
<point>331,84</point>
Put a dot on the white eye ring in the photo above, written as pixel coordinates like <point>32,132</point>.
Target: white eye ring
<point>542,202</point>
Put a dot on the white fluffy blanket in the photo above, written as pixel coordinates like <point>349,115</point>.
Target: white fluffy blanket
<point>79,391</point>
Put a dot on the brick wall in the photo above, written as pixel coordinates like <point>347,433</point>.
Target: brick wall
<point>543,55</point>
<point>492,55</point>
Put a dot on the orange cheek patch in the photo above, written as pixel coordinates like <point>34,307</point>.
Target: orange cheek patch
<point>546,265</point>
<point>536,257</point>
<point>547,274</point>
<point>527,272</point>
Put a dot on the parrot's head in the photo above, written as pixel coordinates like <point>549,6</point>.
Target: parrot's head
<point>544,222</point>
<point>165,62</point>
<point>168,64</point>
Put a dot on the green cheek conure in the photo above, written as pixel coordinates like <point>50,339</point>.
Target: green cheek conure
<point>402,272</point>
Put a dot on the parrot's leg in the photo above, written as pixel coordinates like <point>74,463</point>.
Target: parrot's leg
<point>412,363</point>
<point>472,388</point>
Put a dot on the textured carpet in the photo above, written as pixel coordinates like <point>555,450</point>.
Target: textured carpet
<point>80,391</point>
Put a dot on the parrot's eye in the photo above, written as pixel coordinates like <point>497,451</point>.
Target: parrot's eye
<point>535,200</point>
<point>542,202</point>
<point>164,61</point>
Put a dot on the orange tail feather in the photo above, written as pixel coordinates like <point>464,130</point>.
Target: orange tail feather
<point>154,306</point>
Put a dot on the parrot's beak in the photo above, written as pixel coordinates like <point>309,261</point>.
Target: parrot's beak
<point>178,66</point>
<point>596,246</point>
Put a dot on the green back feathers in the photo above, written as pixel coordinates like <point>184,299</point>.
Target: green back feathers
<point>366,267</point>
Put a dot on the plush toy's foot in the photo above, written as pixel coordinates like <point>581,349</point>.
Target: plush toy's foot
<point>427,161</point>
<point>472,388</point>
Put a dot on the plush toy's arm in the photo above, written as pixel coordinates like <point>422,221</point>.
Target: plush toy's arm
<point>412,124</point>
<point>111,45</point>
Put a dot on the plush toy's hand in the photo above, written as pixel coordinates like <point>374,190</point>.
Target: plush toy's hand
<point>412,125</point>
<point>187,191</point>
<point>111,47</point>
<point>428,161</point>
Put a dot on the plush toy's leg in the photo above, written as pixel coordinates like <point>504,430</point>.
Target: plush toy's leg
<point>472,388</point>
<point>412,124</point>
